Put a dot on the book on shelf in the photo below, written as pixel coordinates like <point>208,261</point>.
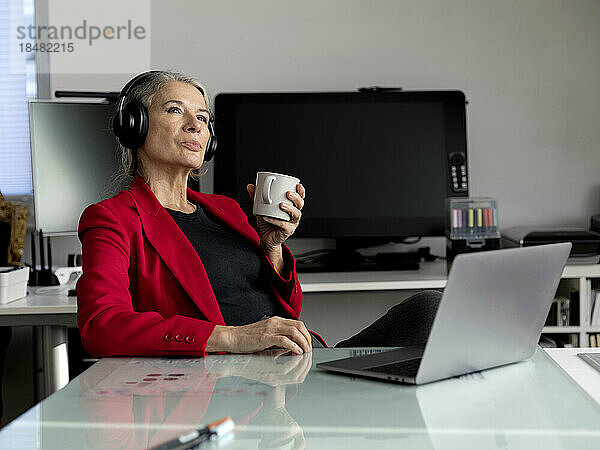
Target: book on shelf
<point>594,339</point>
<point>595,308</point>
<point>560,312</point>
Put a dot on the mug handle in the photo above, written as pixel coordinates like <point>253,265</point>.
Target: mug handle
<point>266,192</point>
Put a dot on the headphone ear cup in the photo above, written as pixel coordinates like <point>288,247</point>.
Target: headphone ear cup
<point>211,146</point>
<point>131,125</point>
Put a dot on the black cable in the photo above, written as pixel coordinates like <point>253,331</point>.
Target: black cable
<point>314,252</point>
<point>414,241</point>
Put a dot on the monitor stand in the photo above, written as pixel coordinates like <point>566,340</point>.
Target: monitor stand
<point>347,259</point>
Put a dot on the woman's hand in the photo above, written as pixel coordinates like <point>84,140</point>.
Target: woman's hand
<point>273,232</point>
<point>274,332</point>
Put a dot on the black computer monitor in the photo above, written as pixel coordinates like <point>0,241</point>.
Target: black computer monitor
<point>377,166</point>
<point>75,158</point>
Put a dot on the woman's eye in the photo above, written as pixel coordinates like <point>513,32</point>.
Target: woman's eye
<point>202,118</point>
<point>174,109</point>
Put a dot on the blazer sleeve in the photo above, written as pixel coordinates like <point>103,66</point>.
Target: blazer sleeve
<point>108,324</point>
<point>285,285</point>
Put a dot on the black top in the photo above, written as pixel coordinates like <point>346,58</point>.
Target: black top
<point>236,269</point>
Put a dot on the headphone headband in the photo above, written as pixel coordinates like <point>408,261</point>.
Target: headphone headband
<point>130,84</point>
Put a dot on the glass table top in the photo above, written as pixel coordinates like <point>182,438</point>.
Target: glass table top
<point>283,401</point>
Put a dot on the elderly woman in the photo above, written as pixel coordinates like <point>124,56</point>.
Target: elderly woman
<point>170,271</point>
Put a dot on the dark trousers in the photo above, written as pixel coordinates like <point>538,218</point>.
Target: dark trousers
<point>408,323</point>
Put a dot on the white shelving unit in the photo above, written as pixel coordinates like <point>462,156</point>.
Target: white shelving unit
<point>433,275</point>
<point>582,276</point>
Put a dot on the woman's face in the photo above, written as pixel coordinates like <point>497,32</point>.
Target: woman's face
<point>178,127</point>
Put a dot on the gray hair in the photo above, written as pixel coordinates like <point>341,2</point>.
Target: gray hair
<point>143,92</point>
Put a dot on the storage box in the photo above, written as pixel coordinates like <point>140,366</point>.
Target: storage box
<point>472,218</point>
<point>472,226</point>
<point>13,283</point>
<point>457,246</point>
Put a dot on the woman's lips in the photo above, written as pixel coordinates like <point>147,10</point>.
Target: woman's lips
<point>192,145</point>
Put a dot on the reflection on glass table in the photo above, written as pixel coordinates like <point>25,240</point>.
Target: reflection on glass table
<point>157,399</point>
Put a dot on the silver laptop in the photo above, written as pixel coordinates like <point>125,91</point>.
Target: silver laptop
<point>492,312</point>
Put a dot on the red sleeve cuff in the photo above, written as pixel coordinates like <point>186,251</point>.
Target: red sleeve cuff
<point>285,281</point>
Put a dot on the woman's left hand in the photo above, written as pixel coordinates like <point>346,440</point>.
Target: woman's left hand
<point>273,232</point>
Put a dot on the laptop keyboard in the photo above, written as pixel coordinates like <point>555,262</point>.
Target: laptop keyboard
<point>405,368</point>
<point>593,359</point>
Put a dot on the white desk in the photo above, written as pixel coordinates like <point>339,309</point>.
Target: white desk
<point>50,315</point>
<point>288,403</point>
<point>39,310</point>
<point>581,372</point>
<point>431,275</point>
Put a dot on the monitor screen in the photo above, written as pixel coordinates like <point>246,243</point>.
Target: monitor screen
<point>374,165</point>
<point>74,156</point>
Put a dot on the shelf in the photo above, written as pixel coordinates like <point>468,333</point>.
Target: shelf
<point>571,329</point>
<point>581,271</point>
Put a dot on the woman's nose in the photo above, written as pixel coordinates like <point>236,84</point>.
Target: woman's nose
<point>193,125</point>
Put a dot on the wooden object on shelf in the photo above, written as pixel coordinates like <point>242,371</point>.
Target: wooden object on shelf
<point>15,216</point>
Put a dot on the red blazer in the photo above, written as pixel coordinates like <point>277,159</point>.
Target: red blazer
<point>144,290</point>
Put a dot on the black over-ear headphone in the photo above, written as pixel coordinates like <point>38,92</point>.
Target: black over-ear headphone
<point>130,123</point>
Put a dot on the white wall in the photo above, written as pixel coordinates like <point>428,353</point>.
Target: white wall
<point>529,70</point>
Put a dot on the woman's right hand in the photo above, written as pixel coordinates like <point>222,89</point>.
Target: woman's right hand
<point>274,332</point>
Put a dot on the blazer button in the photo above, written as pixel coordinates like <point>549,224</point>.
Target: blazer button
<point>168,338</point>
<point>178,337</point>
<point>189,339</point>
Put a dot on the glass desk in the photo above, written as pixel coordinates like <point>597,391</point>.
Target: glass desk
<point>282,401</point>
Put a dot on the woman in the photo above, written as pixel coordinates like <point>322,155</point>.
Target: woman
<point>169,271</point>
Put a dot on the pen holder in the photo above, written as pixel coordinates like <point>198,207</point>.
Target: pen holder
<point>472,226</point>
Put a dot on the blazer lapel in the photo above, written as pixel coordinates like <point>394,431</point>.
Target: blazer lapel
<point>175,250</point>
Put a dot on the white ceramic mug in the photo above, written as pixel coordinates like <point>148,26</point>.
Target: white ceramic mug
<point>271,190</point>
